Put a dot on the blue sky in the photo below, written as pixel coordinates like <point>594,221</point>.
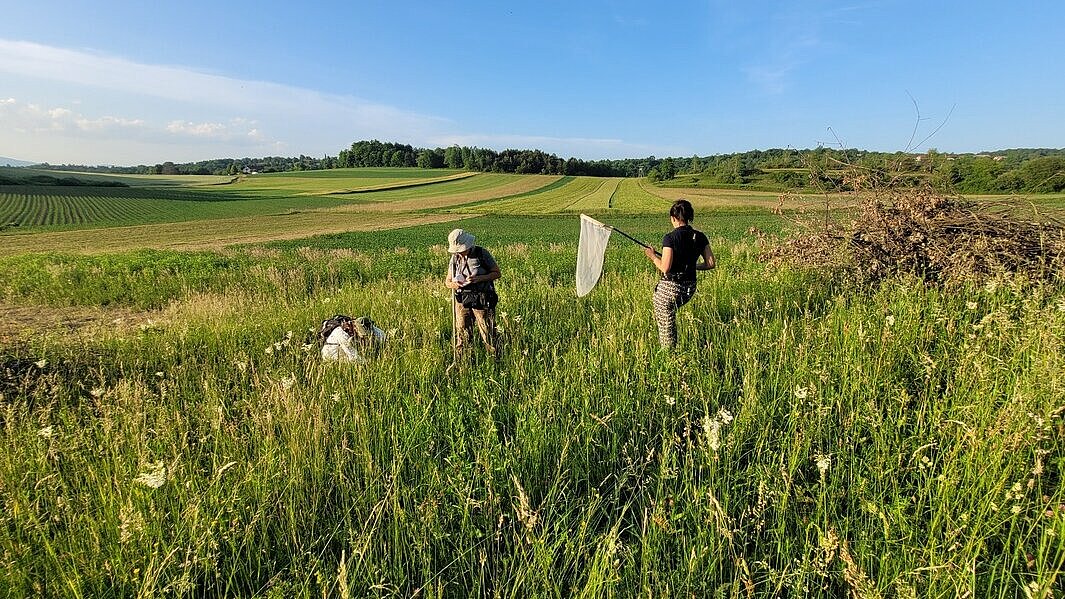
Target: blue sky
<point>117,82</point>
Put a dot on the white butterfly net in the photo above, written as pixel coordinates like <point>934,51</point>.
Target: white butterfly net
<point>590,252</point>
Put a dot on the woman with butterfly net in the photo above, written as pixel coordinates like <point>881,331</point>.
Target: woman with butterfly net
<point>681,249</point>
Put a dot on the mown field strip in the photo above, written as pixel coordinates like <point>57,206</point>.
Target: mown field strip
<point>311,183</point>
<point>211,234</point>
<point>598,199</point>
<point>492,186</point>
<point>555,199</point>
<point>632,197</point>
<point>725,198</point>
<point>398,184</point>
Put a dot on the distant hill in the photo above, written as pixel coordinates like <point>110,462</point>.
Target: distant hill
<point>5,161</point>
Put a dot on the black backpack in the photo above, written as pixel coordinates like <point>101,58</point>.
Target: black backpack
<point>329,324</point>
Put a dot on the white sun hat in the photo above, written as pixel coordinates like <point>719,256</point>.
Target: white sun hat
<point>459,241</point>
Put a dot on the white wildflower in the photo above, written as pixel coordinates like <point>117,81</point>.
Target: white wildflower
<point>269,350</point>
<point>41,363</point>
<point>517,318</point>
<point>824,461</point>
<point>890,320</point>
<point>712,427</point>
<point>670,400</point>
<point>801,392</point>
<point>159,373</point>
<point>335,396</point>
<point>724,416</point>
<point>287,382</point>
<point>307,347</point>
<point>131,522</point>
<point>970,305</point>
<point>241,365</point>
<point>154,477</point>
<point>45,433</point>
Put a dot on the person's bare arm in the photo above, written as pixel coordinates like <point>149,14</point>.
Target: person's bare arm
<point>709,261</point>
<point>491,275</point>
<point>663,263</point>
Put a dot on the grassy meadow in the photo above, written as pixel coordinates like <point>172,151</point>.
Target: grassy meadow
<point>809,438</point>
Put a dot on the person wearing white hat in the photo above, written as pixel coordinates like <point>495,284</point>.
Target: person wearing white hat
<point>470,275</point>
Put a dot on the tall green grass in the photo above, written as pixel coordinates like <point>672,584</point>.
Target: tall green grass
<point>807,439</point>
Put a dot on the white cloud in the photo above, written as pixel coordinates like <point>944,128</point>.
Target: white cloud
<point>79,105</point>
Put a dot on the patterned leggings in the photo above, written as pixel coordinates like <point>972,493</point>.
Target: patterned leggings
<point>668,297</point>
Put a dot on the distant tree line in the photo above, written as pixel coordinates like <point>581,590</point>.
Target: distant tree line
<point>382,154</point>
<point>1003,171</point>
<point>217,166</point>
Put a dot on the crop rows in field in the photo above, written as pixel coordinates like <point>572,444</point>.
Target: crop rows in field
<point>341,181</point>
<point>632,197</point>
<point>554,198</point>
<point>209,234</point>
<point>579,194</point>
<point>478,187</point>
<point>598,199</point>
<point>52,208</point>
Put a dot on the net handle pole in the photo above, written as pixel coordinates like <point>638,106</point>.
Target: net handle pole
<point>637,241</point>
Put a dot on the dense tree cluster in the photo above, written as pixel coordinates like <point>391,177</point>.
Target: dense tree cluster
<point>1003,171</point>
<point>217,166</point>
<point>384,154</point>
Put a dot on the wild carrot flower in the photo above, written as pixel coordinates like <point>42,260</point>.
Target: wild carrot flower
<point>824,461</point>
<point>154,477</point>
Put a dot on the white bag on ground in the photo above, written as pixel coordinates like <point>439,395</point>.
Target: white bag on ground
<point>590,252</point>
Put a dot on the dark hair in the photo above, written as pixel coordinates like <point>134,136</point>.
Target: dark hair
<point>682,210</point>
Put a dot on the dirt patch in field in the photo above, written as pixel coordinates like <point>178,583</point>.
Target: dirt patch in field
<point>22,322</point>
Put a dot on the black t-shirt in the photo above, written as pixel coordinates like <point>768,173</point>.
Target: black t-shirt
<point>688,244</point>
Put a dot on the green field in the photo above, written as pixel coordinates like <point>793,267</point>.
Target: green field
<point>165,431</point>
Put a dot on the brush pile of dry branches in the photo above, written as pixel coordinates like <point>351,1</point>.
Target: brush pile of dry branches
<point>938,238</point>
